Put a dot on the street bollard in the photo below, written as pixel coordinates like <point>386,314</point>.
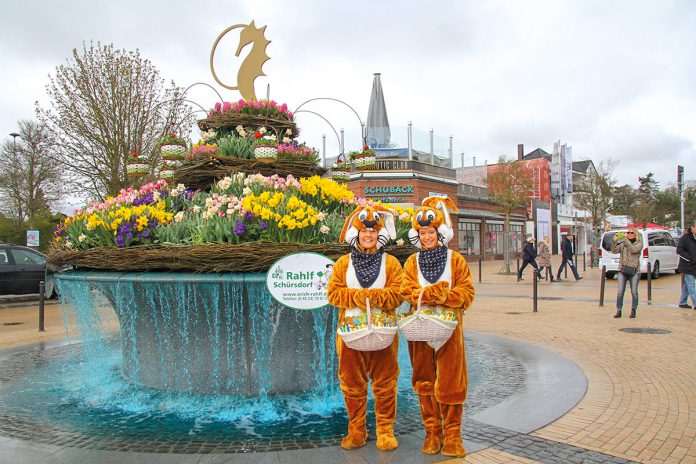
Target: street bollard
<point>480,266</point>
<point>535,291</point>
<point>518,268</point>
<point>601,286</point>
<point>584,268</point>
<point>649,283</point>
<point>42,295</point>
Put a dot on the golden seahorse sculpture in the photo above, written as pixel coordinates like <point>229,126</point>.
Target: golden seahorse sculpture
<point>250,68</point>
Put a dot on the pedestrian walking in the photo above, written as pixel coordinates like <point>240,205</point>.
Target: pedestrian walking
<point>544,257</point>
<point>568,254</point>
<point>686,249</point>
<point>529,255</point>
<point>629,246</point>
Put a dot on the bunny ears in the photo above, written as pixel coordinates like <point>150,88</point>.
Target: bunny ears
<point>433,212</point>
<point>374,217</point>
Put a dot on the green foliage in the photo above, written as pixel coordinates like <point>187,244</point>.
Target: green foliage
<point>11,232</point>
<point>236,147</point>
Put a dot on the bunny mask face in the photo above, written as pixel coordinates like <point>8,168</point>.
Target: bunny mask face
<point>433,212</point>
<point>375,218</point>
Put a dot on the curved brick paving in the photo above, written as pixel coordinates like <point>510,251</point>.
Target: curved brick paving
<point>641,399</point>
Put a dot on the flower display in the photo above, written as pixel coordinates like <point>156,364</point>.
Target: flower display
<point>137,166</point>
<point>203,149</point>
<point>172,147</point>
<point>172,139</point>
<point>260,107</point>
<point>365,159</point>
<point>239,208</point>
<point>294,150</point>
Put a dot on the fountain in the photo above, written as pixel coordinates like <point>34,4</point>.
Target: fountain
<point>209,333</point>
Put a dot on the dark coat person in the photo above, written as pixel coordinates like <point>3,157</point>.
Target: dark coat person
<point>529,255</point>
<point>686,249</point>
<point>568,254</point>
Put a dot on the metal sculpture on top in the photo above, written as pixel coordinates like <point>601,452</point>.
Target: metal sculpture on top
<point>250,68</point>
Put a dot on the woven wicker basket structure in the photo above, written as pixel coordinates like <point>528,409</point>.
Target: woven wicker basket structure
<point>371,338</point>
<point>212,257</point>
<point>202,172</point>
<point>230,120</point>
<point>419,327</point>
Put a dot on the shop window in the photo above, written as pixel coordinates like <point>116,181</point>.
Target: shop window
<point>469,238</point>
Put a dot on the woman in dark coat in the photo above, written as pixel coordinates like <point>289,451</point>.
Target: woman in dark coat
<point>686,249</point>
<point>529,255</point>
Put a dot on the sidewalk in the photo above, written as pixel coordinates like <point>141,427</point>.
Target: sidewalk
<point>641,399</point>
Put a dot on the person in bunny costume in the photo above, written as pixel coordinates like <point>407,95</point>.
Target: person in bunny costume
<point>439,372</point>
<point>367,273</point>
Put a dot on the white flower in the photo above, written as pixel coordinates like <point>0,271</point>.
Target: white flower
<point>196,209</point>
<point>321,216</point>
<point>156,196</point>
<point>400,242</point>
<point>174,192</point>
<point>404,217</point>
<point>225,183</point>
<point>263,130</point>
<point>287,140</point>
<point>246,191</point>
<point>178,217</point>
<point>81,238</point>
<point>209,202</point>
<point>68,244</point>
<point>271,137</point>
<point>324,229</point>
<point>288,131</point>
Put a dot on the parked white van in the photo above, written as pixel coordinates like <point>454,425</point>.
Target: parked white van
<point>659,248</point>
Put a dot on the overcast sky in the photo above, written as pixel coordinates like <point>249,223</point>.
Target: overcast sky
<point>613,79</point>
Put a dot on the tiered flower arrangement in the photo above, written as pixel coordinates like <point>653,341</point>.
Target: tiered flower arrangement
<point>365,159</point>
<point>137,166</point>
<point>340,171</point>
<point>265,145</point>
<point>267,216</point>
<point>173,147</point>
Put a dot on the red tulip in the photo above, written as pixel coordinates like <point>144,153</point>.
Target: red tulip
<point>257,135</point>
<point>134,155</point>
<point>366,147</point>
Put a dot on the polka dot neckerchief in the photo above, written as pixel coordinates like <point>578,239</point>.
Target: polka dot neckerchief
<point>367,266</point>
<point>432,263</point>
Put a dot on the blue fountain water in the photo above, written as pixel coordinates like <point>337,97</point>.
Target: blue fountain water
<point>100,387</point>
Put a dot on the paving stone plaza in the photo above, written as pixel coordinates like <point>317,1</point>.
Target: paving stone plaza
<point>578,386</point>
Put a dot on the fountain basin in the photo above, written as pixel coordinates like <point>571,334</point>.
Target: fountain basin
<point>206,333</point>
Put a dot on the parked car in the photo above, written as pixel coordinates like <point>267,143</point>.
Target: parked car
<point>21,270</point>
<point>659,249</point>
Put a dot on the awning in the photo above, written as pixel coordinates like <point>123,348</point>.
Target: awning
<point>481,214</point>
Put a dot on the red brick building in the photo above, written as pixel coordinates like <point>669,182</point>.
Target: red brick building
<point>478,227</point>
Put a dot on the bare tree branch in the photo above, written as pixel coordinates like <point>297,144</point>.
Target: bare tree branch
<point>105,104</point>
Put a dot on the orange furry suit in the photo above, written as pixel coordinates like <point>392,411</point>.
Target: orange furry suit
<point>439,374</point>
<point>367,272</point>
